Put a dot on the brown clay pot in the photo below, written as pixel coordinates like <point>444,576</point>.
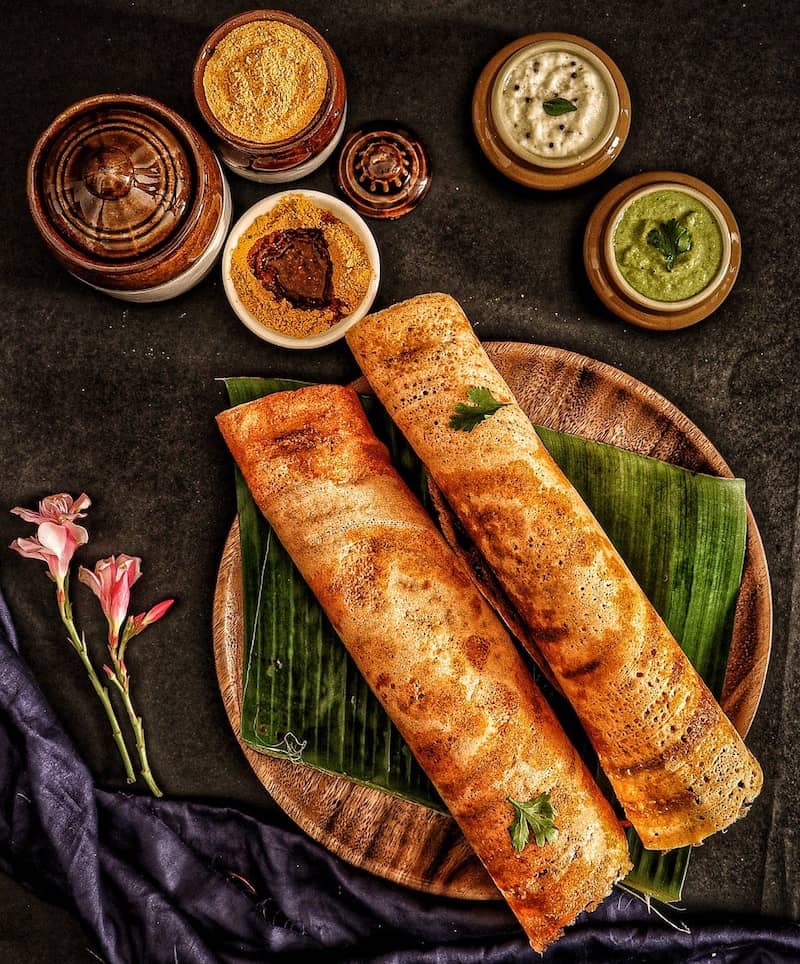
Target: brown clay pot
<point>526,171</point>
<point>128,197</point>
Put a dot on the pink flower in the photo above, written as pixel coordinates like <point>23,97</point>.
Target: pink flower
<point>54,544</point>
<point>62,510</point>
<point>154,613</point>
<point>57,536</point>
<point>111,582</point>
<point>137,623</point>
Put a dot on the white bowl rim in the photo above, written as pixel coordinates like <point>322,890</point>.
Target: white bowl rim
<point>346,214</point>
<point>627,287</point>
<point>498,116</point>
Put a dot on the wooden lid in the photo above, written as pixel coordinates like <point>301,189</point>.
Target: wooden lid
<point>383,170</point>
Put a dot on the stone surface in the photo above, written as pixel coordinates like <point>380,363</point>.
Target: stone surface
<point>119,400</point>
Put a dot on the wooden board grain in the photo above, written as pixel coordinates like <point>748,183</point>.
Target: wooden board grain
<point>406,842</point>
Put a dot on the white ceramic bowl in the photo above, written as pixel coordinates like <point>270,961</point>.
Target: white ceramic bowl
<point>501,120</point>
<point>345,214</point>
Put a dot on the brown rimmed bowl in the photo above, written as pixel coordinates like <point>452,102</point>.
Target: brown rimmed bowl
<point>547,177</point>
<point>607,280</point>
<point>296,156</point>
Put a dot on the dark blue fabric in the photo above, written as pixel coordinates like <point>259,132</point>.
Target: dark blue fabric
<point>158,880</point>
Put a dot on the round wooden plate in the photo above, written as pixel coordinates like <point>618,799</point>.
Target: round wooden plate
<point>406,842</point>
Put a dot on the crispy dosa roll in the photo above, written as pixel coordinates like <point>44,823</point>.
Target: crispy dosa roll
<point>431,649</point>
<point>675,761</point>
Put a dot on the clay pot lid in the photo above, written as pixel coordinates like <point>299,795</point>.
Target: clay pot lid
<point>604,281</point>
<point>383,170</point>
<point>115,178</point>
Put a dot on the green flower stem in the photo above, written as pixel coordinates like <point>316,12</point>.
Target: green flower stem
<point>120,679</point>
<point>79,645</point>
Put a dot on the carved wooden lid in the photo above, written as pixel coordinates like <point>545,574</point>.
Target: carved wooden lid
<point>383,170</point>
<point>116,181</point>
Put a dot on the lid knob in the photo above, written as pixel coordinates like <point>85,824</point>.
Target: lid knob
<point>383,170</point>
<point>382,164</point>
<point>108,173</point>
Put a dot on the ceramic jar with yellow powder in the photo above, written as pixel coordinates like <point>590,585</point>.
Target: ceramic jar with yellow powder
<point>272,90</point>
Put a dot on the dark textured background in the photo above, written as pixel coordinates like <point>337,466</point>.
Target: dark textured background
<point>119,400</point>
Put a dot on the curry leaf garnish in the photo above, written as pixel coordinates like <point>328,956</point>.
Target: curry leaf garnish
<point>537,816</point>
<point>670,239</point>
<point>481,405</point>
<point>558,106</point>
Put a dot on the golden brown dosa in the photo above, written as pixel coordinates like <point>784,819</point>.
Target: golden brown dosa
<point>675,761</point>
<point>430,647</point>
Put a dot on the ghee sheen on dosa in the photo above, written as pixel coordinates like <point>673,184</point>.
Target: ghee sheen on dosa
<point>429,646</point>
<point>674,759</point>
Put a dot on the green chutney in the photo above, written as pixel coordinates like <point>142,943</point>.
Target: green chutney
<point>644,267</point>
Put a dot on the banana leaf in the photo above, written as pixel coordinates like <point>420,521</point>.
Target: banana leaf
<point>681,533</point>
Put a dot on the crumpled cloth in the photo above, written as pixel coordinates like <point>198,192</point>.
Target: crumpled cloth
<point>169,880</point>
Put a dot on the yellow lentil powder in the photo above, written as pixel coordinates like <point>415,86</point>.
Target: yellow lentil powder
<point>351,269</point>
<point>265,81</point>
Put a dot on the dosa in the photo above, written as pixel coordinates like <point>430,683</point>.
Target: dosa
<point>676,763</point>
<point>430,647</point>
